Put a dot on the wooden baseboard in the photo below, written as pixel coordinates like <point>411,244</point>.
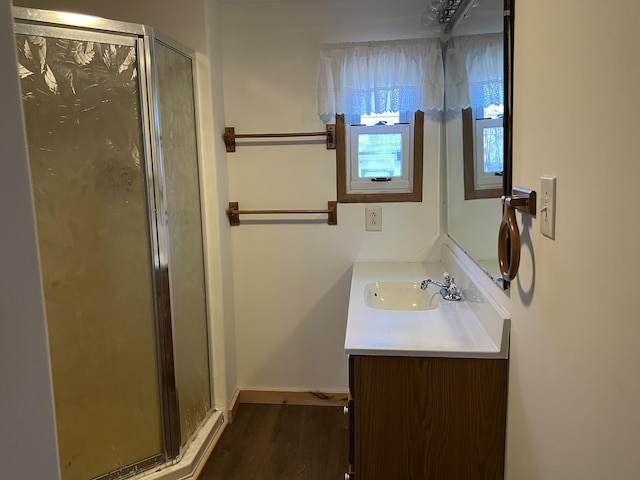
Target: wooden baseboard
<point>293,397</point>
<point>233,407</point>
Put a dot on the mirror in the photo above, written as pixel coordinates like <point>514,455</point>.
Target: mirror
<point>474,180</point>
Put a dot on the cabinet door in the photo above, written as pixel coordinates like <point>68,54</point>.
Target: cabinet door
<point>429,418</point>
<point>351,406</point>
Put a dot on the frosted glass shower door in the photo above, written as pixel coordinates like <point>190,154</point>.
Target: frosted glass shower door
<point>82,104</point>
<point>186,257</point>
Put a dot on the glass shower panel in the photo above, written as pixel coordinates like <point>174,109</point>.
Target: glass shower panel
<point>82,111</point>
<point>186,257</point>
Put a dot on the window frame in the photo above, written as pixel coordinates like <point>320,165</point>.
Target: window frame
<point>416,167</point>
<point>470,160</point>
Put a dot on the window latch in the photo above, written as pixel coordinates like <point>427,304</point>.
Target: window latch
<point>381,179</point>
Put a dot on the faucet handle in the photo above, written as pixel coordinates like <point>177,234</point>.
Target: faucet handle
<point>451,292</point>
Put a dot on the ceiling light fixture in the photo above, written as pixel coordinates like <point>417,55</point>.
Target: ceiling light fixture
<point>445,15</point>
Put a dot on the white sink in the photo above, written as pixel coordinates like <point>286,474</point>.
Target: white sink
<point>399,296</point>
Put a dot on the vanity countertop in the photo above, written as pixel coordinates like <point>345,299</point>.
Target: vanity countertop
<point>471,328</point>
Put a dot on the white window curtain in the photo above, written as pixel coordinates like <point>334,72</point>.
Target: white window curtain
<point>474,71</point>
<point>374,77</point>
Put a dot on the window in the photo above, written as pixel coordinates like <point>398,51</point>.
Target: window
<point>488,144</point>
<point>379,158</point>
<point>483,152</point>
<point>380,162</point>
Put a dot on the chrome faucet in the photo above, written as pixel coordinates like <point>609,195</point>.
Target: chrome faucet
<point>448,288</point>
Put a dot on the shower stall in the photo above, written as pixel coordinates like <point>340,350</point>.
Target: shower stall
<point>110,116</point>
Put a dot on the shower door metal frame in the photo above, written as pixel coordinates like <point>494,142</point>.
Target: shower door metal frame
<point>155,132</point>
<point>36,21</point>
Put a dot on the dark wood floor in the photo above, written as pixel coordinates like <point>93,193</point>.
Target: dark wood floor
<point>281,442</point>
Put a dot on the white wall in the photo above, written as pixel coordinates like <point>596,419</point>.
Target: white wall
<point>27,419</point>
<point>218,234</point>
<point>292,280</point>
<point>574,383</point>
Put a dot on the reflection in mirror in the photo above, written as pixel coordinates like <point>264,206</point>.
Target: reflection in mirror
<point>474,71</point>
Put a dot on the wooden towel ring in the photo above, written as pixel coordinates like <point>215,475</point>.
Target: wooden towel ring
<point>509,234</point>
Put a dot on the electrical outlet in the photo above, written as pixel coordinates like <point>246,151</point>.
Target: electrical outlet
<point>548,207</point>
<point>373,219</point>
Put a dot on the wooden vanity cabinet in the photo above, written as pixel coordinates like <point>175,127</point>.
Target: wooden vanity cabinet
<point>424,418</point>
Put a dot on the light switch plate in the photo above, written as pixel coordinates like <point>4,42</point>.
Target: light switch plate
<point>548,207</point>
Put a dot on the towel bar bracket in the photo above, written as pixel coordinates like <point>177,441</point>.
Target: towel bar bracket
<point>332,218</point>
<point>524,200</point>
<point>331,136</point>
<point>232,213</point>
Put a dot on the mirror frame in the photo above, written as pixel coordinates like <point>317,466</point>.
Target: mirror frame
<point>507,180</point>
<point>508,96</point>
